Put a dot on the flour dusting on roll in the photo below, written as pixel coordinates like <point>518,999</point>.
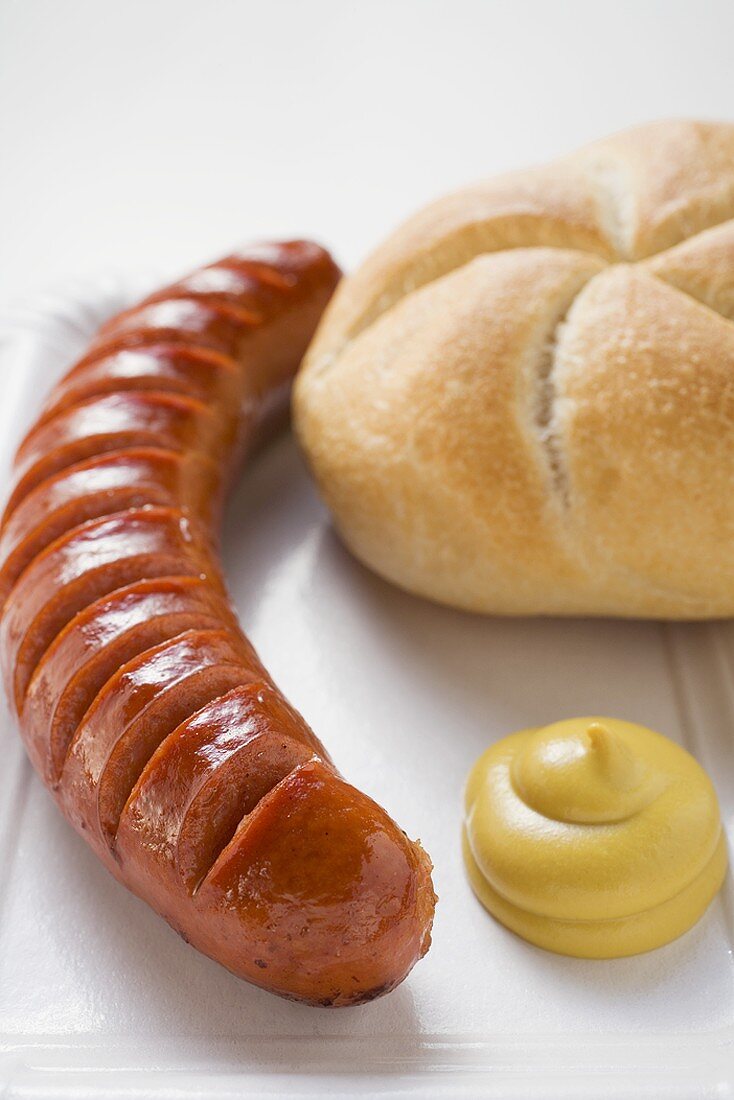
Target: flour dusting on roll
<point>523,402</point>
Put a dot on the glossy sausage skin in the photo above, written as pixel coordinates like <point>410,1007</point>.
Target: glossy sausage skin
<point>142,705</point>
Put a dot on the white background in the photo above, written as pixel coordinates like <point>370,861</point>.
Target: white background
<point>159,133</point>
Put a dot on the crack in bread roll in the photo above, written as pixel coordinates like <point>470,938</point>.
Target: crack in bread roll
<point>523,401</point>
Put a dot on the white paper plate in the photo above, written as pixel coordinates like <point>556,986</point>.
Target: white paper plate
<point>98,998</point>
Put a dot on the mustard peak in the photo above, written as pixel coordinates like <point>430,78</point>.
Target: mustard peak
<point>582,772</point>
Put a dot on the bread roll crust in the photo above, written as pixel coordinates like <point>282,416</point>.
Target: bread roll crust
<point>523,402</point>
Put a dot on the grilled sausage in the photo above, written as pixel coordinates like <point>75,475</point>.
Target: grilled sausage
<point>142,704</point>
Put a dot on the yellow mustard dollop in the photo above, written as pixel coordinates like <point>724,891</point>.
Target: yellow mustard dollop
<point>593,837</point>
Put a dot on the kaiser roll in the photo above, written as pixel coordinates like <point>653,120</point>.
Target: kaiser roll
<point>523,402</point>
